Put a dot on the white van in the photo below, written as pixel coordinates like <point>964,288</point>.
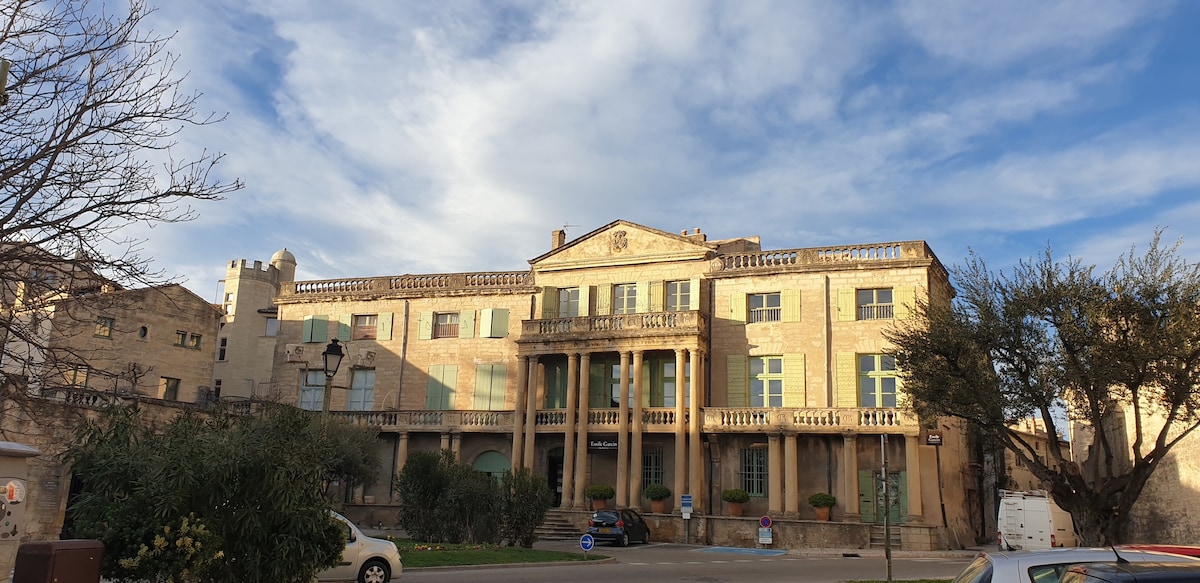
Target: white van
<point>1031,520</point>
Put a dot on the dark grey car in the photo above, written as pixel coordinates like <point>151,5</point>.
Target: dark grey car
<point>618,527</point>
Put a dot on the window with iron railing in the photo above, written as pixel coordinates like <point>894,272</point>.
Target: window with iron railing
<point>875,304</point>
<point>364,326</point>
<point>445,325</point>
<point>764,308</point>
<point>753,471</point>
<point>653,469</point>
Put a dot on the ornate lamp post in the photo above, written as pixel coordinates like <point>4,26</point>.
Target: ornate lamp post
<point>331,359</point>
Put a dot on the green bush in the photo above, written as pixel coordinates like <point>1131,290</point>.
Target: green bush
<point>525,498</point>
<point>822,500</point>
<point>600,492</point>
<point>735,495</point>
<point>442,500</point>
<point>657,492</point>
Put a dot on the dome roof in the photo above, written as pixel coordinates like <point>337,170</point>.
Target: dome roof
<point>283,255</point>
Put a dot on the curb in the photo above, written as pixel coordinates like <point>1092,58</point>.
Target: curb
<point>603,561</point>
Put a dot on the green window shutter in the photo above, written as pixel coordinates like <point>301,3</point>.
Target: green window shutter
<point>604,299</point>
<point>598,395</point>
<point>847,310</point>
<point>316,328</point>
<point>866,495</point>
<point>694,294</point>
<point>845,379</point>
<point>493,323</point>
<point>793,381</point>
<point>383,326</point>
<point>737,307</point>
<point>466,324</point>
<point>647,369</point>
<point>449,383</point>
<point>790,303</point>
<point>902,491</point>
<point>343,330</point>
<point>656,296</point>
<point>498,383</point>
<point>736,392</point>
<point>904,302</point>
<point>483,387</point>
<point>549,303</point>
<point>641,301</point>
<point>435,389</point>
<point>425,326</point>
<point>584,300</point>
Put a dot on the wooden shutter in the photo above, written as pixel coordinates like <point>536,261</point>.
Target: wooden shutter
<point>736,390</point>
<point>383,326</point>
<point>343,329</point>
<point>449,383</point>
<point>434,389</point>
<point>847,308</point>
<point>549,303</point>
<point>793,381</point>
<point>647,370</point>
<point>904,302</point>
<point>493,323</point>
<point>641,303</point>
<point>902,491</point>
<point>499,386</point>
<point>737,307</point>
<point>316,328</point>
<point>585,300</point>
<point>789,301</point>
<point>866,495</point>
<point>483,387</point>
<point>694,294</point>
<point>846,379</point>
<point>656,296</point>
<point>425,326</point>
<point>466,324</point>
<point>604,299</point>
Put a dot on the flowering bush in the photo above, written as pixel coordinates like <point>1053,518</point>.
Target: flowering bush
<point>183,551</point>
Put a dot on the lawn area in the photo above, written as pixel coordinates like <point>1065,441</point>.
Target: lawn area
<point>905,581</point>
<point>415,554</point>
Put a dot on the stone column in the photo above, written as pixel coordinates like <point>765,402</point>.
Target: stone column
<point>623,434</point>
<point>456,445</point>
<point>849,474</point>
<point>912,468</point>
<point>791,476</point>
<point>519,411</point>
<point>568,500</point>
<point>680,435</point>
<point>581,447</point>
<point>774,474</point>
<point>531,406</point>
<point>445,442</point>
<point>401,458</point>
<point>696,453</point>
<point>635,455</point>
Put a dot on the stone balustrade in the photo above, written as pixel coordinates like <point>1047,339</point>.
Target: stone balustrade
<point>516,280</point>
<point>823,256</point>
<point>815,420</point>
<point>614,326</point>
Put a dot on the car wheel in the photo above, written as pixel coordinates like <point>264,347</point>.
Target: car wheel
<point>374,571</point>
<point>646,537</point>
<point>624,539</point>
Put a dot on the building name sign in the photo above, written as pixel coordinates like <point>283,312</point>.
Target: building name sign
<point>601,444</point>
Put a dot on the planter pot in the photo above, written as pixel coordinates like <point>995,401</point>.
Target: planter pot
<point>822,512</point>
<point>735,508</point>
<point>599,504</point>
<point>658,506</point>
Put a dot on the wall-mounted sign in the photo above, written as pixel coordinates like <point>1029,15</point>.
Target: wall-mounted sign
<point>934,437</point>
<point>601,444</point>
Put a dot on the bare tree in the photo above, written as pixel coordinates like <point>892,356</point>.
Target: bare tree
<point>86,137</point>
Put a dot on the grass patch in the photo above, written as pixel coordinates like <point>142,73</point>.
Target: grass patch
<point>416,555</point>
<point>904,581</point>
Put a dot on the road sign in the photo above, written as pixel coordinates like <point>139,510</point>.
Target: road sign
<point>586,542</point>
<point>685,505</point>
<point>764,535</point>
<point>765,522</point>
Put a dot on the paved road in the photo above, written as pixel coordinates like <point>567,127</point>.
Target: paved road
<point>665,563</point>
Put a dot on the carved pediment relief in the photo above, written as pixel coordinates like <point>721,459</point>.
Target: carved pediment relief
<point>622,243</point>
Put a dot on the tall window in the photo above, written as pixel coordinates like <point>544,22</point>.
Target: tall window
<point>753,471</point>
<point>362,389</point>
<point>875,304</point>
<point>766,381</point>
<point>653,470</point>
<point>668,381</point>
<point>222,345</point>
<point>312,392</point>
<point>364,327</point>
<point>679,295</point>
<point>272,327</point>
<point>104,327</point>
<point>877,380</point>
<point>78,377</point>
<point>445,325</point>
<point>764,308</point>
<point>168,388</point>
<point>568,302</point>
<point>624,298</point>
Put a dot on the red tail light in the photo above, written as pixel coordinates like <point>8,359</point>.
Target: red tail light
<point>1053,542</point>
<point>999,538</point>
<point>620,524</point>
<point>591,522</point>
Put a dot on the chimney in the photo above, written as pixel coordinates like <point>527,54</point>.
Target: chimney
<point>558,238</point>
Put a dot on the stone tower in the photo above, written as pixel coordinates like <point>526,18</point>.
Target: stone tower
<point>246,342</point>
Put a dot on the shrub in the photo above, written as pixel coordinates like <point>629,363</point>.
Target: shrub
<point>735,495</point>
<point>525,498</point>
<point>822,500</point>
<point>657,492</point>
<point>600,492</point>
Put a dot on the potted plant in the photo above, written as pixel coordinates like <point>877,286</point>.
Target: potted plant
<point>735,497</point>
<point>822,502</point>
<point>658,494</point>
<point>599,495</point>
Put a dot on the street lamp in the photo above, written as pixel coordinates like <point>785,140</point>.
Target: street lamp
<point>331,360</point>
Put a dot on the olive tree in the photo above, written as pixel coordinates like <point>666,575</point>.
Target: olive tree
<point>1116,354</point>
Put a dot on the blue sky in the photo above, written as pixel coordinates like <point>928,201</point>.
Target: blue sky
<point>381,138</point>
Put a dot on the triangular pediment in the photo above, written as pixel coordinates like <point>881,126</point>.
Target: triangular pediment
<point>623,243</point>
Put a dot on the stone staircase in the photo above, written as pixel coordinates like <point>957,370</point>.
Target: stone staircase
<point>877,538</point>
<point>557,527</point>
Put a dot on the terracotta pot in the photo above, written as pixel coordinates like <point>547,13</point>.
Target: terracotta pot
<point>658,506</point>
<point>822,512</point>
<point>735,508</point>
<point>599,503</point>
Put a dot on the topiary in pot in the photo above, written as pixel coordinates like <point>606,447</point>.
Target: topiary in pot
<point>599,493</point>
<point>657,492</point>
<point>735,495</point>
<point>822,502</point>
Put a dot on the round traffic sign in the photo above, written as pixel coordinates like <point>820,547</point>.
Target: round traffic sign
<point>586,542</point>
<point>765,522</point>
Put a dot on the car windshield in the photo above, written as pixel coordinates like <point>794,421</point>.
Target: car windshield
<point>979,571</point>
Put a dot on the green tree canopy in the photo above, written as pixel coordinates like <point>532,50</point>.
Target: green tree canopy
<point>1053,341</point>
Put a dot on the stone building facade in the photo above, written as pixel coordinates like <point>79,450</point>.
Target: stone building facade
<point>245,346</point>
<point>632,356</point>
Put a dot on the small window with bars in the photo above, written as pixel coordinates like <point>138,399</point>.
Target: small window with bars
<point>875,304</point>
<point>764,308</point>
<point>363,327</point>
<point>445,325</point>
<point>653,470</point>
<point>753,471</point>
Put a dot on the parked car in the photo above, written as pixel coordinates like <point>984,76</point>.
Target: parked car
<point>1047,566</point>
<point>1132,573</point>
<point>618,527</point>
<point>1189,550</point>
<point>365,559</point>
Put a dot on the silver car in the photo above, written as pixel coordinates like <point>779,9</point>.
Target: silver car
<point>1046,566</point>
<point>365,559</point>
